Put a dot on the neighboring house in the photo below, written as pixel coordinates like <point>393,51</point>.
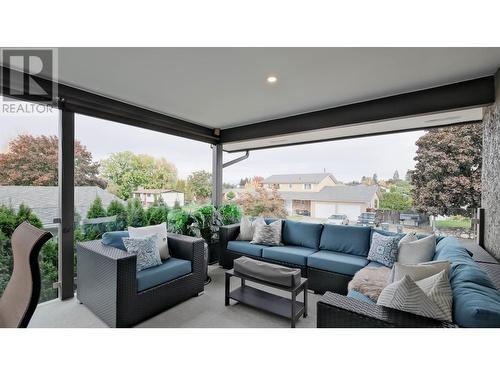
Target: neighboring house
<point>150,196</point>
<point>44,200</point>
<point>322,195</point>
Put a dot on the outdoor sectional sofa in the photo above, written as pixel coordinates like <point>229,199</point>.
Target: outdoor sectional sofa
<point>110,287</point>
<point>329,256</point>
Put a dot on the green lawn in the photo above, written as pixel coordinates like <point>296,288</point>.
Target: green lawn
<point>449,223</point>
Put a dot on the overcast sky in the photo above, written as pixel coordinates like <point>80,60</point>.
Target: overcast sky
<point>347,160</point>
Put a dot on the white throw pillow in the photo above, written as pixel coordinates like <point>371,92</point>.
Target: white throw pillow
<point>247,228</point>
<point>419,251</point>
<point>161,242</point>
<point>418,271</point>
<point>431,297</point>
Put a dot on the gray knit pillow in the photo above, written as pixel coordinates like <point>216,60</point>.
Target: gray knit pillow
<point>268,234</point>
<point>145,249</point>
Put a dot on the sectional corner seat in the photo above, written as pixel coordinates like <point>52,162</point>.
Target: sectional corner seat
<point>330,255</point>
<point>110,287</point>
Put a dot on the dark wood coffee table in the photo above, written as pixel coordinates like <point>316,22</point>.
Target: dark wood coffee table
<point>288,308</point>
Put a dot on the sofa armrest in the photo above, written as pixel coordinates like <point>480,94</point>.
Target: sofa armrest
<point>338,311</point>
<point>104,275</point>
<point>187,248</point>
<point>227,233</point>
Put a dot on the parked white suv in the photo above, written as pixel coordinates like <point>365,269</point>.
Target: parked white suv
<point>339,219</point>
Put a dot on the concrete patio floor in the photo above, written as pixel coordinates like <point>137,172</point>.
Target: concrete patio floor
<point>205,311</point>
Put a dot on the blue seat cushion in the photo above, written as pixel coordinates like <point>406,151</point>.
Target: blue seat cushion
<point>245,247</point>
<point>476,306</point>
<point>115,239</point>
<point>288,254</point>
<point>345,264</point>
<point>360,296</point>
<point>346,239</point>
<point>296,233</point>
<point>169,270</point>
<point>463,267</point>
<point>374,264</point>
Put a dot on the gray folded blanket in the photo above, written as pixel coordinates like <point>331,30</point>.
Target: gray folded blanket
<point>370,281</point>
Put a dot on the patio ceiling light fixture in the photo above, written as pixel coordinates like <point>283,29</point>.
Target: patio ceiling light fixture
<point>272,79</point>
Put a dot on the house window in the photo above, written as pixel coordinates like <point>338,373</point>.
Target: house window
<point>307,186</point>
<point>149,195</point>
<point>289,186</point>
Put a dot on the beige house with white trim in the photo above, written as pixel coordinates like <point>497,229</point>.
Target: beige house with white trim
<point>322,195</point>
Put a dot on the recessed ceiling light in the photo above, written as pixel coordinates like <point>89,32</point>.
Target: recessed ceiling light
<point>272,79</point>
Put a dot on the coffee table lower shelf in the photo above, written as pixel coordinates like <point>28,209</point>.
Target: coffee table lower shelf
<point>266,301</point>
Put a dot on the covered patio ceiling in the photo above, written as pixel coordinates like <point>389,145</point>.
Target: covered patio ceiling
<point>221,95</point>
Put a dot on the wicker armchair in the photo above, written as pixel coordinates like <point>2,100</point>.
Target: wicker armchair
<point>338,311</point>
<point>107,282</point>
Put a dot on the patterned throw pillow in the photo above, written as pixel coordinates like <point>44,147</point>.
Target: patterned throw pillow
<point>431,297</point>
<point>268,234</point>
<point>145,249</point>
<point>384,249</point>
<point>161,242</point>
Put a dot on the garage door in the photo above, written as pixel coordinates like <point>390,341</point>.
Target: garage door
<point>351,210</point>
<point>324,210</point>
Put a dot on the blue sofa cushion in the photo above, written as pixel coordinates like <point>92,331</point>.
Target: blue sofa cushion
<point>386,233</point>
<point>115,239</point>
<point>245,247</point>
<point>288,254</point>
<point>476,306</point>
<point>296,233</point>
<point>374,264</point>
<point>169,270</point>
<point>360,296</point>
<point>463,267</point>
<point>346,239</point>
<point>345,264</point>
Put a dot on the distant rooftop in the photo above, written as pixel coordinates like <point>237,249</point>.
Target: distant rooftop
<point>155,191</point>
<point>339,193</point>
<point>299,178</point>
<point>44,200</point>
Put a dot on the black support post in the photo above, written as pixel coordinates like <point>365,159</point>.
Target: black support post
<point>66,202</point>
<point>217,166</point>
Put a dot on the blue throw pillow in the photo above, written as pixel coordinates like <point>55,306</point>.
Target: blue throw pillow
<point>384,249</point>
<point>115,239</point>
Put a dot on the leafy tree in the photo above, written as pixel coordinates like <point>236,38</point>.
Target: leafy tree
<point>126,171</point>
<point>33,160</point>
<point>230,195</point>
<point>262,202</point>
<point>395,177</point>
<point>375,178</point>
<point>117,208</point>
<point>96,209</point>
<point>24,213</point>
<point>135,213</point>
<point>230,213</point>
<point>199,183</point>
<point>447,175</point>
<point>156,214</point>
<point>395,200</point>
